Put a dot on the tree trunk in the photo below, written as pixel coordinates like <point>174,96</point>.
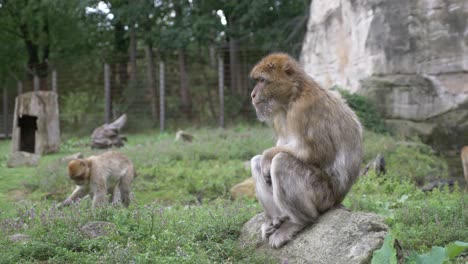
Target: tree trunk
<point>132,54</point>
<point>150,82</point>
<point>186,101</point>
<point>107,94</point>
<point>162,88</point>
<point>221,90</point>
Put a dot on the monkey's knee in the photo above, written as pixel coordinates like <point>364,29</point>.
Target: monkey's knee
<point>280,164</point>
<point>255,165</point>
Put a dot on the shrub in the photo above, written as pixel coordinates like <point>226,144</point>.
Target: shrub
<point>365,110</point>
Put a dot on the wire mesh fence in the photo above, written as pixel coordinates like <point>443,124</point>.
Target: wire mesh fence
<point>163,91</point>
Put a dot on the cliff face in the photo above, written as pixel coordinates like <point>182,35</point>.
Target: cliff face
<point>409,57</point>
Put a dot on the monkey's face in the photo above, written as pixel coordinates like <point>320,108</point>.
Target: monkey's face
<point>275,85</point>
<point>262,99</point>
<point>78,172</point>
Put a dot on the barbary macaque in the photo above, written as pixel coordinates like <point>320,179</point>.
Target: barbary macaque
<point>318,151</point>
<point>108,173</point>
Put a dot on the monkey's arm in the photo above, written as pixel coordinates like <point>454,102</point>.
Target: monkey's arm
<point>271,152</point>
<point>78,193</point>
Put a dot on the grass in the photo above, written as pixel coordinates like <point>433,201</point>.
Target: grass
<point>183,212</point>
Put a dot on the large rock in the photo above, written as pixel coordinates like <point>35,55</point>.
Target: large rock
<point>410,57</point>
<point>339,237</point>
<point>243,189</point>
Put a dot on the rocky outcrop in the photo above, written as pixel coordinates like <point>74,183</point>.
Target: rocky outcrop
<point>409,57</point>
<point>339,237</point>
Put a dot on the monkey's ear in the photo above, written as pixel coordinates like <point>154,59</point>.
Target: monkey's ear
<point>288,68</point>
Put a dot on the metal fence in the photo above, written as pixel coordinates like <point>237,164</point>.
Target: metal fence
<point>91,93</point>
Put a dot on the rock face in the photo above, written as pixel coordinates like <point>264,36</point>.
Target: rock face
<point>409,57</point>
<point>339,237</point>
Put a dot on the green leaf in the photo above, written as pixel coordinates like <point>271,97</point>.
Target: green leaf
<point>387,253</point>
<point>435,256</point>
<point>455,248</point>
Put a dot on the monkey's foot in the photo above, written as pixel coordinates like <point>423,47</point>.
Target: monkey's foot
<point>270,227</point>
<point>284,234</point>
<point>267,229</point>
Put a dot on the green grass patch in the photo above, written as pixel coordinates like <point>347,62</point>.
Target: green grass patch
<point>182,210</point>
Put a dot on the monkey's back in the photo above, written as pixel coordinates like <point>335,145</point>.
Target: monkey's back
<point>339,124</point>
<point>112,163</point>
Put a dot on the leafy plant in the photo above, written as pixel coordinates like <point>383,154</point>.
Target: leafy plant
<point>387,253</point>
<point>438,255</point>
<point>365,110</point>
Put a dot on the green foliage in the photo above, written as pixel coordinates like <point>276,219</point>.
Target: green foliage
<point>189,182</point>
<point>387,253</point>
<point>365,110</point>
<point>75,110</point>
<point>436,218</point>
<point>438,255</point>
<point>143,234</point>
<point>409,160</point>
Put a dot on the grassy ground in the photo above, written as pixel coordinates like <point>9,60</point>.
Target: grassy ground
<point>183,213</point>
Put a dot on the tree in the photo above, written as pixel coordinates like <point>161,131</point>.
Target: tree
<point>43,27</point>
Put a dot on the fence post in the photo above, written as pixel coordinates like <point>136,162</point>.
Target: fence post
<point>221,89</point>
<point>54,80</point>
<point>107,94</point>
<point>161,96</point>
<point>37,83</point>
<point>5,111</point>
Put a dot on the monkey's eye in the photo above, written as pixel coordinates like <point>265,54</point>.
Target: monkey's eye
<point>261,80</point>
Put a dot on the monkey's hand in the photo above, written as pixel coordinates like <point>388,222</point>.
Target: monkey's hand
<point>267,158</point>
<point>266,169</point>
<point>64,203</point>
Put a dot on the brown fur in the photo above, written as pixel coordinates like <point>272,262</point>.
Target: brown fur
<point>318,153</point>
<point>109,173</point>
<point>464,159</point>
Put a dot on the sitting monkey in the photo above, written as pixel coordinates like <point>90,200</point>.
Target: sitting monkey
<point>108,173</point>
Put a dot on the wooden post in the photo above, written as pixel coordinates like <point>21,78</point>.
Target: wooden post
<point>19,87</point>
<point>54,81</point>
<point>107,94</point>
<point>5,112</point>
<point>37,83</point>
<point>221,89</point>
<point>161,96</point>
